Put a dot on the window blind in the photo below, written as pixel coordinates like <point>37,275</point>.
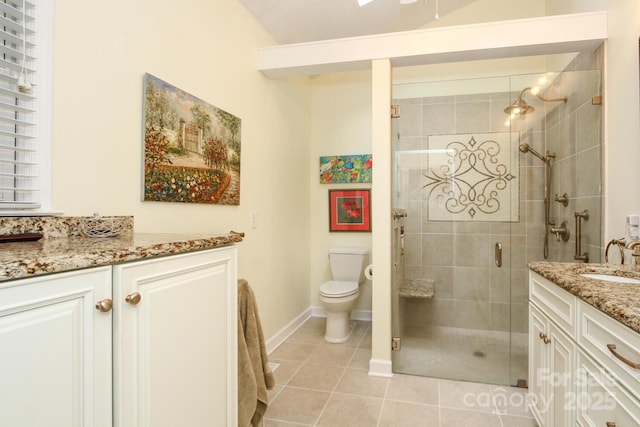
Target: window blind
<point>18,145</point>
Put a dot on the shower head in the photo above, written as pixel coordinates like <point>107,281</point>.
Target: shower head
<point>525,148</point>
<point>521,107</point>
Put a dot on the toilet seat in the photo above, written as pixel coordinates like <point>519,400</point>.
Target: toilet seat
<point>338,289</point>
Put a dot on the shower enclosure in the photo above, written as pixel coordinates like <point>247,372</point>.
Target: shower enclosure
<point>483,189</point>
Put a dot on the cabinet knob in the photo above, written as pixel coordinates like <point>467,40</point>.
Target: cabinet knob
<point>546,340</point>
<point>542,335</point>
<point>610,424</point>
<point>104,305</point>
<point>133,298</point>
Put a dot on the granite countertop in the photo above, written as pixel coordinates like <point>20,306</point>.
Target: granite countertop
<point>621,301</point>
<point>57,254</point>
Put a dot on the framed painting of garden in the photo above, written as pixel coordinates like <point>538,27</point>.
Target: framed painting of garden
<point>191,148</point>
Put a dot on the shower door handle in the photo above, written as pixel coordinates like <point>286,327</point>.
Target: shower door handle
<point>498,254</point>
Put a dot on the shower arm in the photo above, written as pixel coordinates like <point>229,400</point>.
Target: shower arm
<point>563,99</point>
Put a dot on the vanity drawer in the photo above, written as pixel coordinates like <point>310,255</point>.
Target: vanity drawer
<point>558,304</point>
<point>599,400</point>
<point>600,336</point>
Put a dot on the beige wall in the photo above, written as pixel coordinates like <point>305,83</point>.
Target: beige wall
<point>340,124</point>
<point>209,49</point>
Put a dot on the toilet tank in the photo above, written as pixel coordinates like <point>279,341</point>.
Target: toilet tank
<point>348,264</point>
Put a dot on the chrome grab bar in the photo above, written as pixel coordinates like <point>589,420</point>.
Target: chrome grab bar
<point>579,216</point>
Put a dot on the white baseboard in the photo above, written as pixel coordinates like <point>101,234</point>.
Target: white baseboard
<point>318,312</point>
<point>284,333</point>
<point>380,368</point>
<point>377,367</point>
<point>355,314</point>
<point>361,315</point>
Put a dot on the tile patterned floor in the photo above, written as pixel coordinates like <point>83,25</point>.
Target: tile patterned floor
<point>463,354</point>
<point>322,384</point>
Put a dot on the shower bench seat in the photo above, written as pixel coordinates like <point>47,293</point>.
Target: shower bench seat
<point>417,288</point>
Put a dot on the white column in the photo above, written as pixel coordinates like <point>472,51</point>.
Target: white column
<point>380,363</point>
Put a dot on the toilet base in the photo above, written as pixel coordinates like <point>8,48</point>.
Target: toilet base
<point>338,328</point>
<point>338,309</point>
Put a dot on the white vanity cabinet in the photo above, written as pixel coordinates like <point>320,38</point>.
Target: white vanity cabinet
<point>149,343</point>
<point>551,353</point>
<point>175,341</point>
<point>55,350</point>
<point>609,369</point>
<point>592,364</point>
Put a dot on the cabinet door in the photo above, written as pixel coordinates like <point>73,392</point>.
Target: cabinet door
<point>55,351</point>
<point>175,339</point>
<point>538,366</point>
<point>562,355</point>
<point>551,371</point>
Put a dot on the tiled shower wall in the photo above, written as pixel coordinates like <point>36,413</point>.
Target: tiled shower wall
<point>575,135</point>
<point>470,290</point>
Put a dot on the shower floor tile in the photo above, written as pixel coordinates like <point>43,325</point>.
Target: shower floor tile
<point>462,354</point>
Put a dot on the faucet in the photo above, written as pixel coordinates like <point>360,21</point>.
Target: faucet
<point>620,243</point>
<point>635,245</point>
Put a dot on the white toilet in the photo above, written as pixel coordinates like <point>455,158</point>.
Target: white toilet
<point>338,295</point>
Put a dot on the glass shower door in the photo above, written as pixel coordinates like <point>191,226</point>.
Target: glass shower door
<point>470,177</point>
<point>456,173</point>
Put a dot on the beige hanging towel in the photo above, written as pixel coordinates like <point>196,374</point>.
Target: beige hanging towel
<point>254,374</point>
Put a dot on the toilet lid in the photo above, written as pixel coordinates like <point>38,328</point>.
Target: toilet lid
<point>336,288</point>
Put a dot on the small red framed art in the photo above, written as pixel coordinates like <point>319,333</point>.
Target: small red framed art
<point>350,210</point>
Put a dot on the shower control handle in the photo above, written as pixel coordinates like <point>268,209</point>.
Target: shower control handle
<point>561,232</point>
<point>564,199</point>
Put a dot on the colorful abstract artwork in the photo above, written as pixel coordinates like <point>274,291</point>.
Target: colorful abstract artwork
<point>355,168</point>
<point>191,148</point>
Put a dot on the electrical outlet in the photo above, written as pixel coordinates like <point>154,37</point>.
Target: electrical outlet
<point>253,219</point>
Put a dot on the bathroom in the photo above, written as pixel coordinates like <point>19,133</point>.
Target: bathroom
<point>523,239</point>
<point>338,119</point>
<point>279,172</point>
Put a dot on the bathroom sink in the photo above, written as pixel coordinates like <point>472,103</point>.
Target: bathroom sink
<point>611,278</point>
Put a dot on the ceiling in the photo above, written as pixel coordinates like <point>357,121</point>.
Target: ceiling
<point>297,21</point>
